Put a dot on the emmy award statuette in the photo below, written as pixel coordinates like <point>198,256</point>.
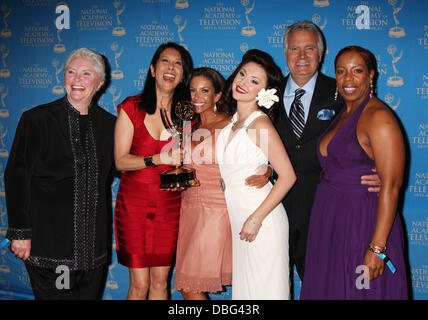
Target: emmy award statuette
<point>178,177</point>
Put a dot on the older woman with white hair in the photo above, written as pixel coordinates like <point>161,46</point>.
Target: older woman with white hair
<point>57,180</point>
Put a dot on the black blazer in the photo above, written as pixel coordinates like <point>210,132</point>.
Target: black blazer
<point>303,154</point>
<point>58,185</point>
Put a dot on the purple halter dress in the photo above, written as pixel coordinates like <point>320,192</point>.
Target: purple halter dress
<point>343,221</point>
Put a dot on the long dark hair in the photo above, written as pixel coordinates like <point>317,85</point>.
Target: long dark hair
<point>181,92</point>
<point>274,79</point>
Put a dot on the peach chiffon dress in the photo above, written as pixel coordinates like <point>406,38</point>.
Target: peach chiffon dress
<point>204,248</point>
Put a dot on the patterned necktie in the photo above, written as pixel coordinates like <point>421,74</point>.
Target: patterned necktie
<point>297,114</point>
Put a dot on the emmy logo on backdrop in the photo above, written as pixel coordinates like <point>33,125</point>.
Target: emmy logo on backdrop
<point>58,88</point>
<point>395,80</point>
<point>117,73</point>
<point>5,32</point>
<point>113,90</point>
<point>396,32</point>
<point>3,220</point>
<point>111,283</point>
<point>243,47</point>
<point>248,30</point>
<point>61,22</point>
<point>389,99</point>
<point>180,27</point>
<point>3,150</point>
<point>119,30</point>
<point>2,189</point>
<point>3,214</point>
<point>3,266</point>
<point>59,47</point>
<point>316,18</point>
<point>179,177</point>
<point>321,3</point>
<point>4,113</point>
<point>181,4</point>
<point>6,293</point>
<point>4,72</point>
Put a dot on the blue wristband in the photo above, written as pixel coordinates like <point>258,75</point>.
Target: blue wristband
<point>387,261</point>
<point>4,243</point>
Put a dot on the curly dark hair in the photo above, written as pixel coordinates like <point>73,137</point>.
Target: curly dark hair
<point>274,80</point>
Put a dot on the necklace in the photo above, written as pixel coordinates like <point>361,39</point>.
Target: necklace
<point>240,127</point>
<point>235,127</point>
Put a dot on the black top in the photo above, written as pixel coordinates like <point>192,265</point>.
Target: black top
<point>58,185</point>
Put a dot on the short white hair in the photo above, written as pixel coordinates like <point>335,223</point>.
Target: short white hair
<point>98,60</point>
<point>307,26</point>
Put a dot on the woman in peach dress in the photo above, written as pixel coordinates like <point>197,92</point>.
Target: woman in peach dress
<point>204,248</point>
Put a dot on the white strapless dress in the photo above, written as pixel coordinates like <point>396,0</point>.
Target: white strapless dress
<point>260,269</point>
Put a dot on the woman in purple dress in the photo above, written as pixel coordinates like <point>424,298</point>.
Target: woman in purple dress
<point>355,244</point>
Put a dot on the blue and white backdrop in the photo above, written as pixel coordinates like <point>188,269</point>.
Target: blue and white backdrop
<point>37,35</point>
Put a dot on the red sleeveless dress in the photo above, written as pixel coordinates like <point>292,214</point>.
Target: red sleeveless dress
<point>146,218</point>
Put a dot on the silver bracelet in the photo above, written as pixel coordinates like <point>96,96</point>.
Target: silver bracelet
<point>257,224</point>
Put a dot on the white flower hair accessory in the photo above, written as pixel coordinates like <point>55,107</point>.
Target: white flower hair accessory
<point>266,98</point>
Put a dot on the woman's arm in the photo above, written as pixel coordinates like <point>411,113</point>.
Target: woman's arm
<point>24,154</point>
<point>260,178</point>
<point>386,143</point>
<point>280,162</point>
<point>124,160</point>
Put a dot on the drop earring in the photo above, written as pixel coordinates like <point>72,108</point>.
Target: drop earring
<point>215,108</point>
<point>336,94</point>
<point>371,89</point>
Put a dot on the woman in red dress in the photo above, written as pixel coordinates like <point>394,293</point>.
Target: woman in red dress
<point>146,218</point>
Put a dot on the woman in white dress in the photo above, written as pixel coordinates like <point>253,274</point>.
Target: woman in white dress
<point>258,219</point>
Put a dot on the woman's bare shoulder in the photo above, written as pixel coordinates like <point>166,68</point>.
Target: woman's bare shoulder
<point>377,115</point>
<point>261,122</point>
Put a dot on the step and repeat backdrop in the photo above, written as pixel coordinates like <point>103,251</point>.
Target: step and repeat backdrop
<point>37,35</point>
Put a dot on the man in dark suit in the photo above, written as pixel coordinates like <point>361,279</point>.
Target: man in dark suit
<point>304,48</point>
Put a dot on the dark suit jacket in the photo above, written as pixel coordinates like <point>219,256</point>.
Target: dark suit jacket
<point>303,154</point>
